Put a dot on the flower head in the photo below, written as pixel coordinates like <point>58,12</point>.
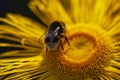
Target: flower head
<point>93,31</point>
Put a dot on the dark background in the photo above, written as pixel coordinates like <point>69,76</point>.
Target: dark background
<point>15,6</point>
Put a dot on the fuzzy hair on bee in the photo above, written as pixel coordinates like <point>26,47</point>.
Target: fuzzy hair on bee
<point>55,34</point>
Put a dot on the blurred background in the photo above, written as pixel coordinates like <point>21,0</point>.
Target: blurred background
<point>16,7</point>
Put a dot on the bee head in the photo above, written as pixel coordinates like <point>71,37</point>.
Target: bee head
<point>56,24</point>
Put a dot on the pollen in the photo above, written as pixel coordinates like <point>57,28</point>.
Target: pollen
<point>86,57</point>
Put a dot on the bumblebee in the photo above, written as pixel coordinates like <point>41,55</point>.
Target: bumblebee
<point>55,34</point>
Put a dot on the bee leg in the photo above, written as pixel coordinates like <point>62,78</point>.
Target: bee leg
<point>65,37</point>
<point>67,40</point>
<point>46,49</point>
<point>61,44</point>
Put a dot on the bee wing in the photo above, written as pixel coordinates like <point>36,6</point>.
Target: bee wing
<point>42,37</point>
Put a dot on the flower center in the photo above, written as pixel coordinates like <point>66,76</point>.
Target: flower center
<point>86,57</point>
<point>81,47</point>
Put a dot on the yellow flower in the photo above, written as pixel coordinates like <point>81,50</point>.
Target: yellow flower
<point>93,31</point>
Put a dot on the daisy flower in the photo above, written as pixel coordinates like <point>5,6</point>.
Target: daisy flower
<point>93,29</point>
